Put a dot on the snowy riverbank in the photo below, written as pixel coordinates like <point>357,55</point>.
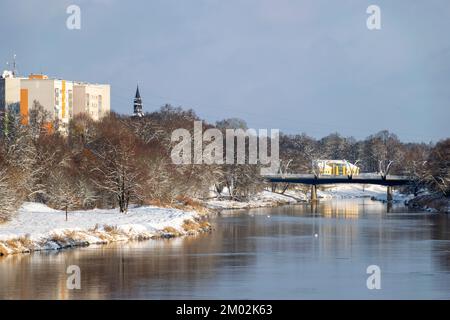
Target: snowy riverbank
<point>271,199</point>
<point>260,200</point>
<point>348,191</point>
<point>38,227</point>
<point>431,202</point>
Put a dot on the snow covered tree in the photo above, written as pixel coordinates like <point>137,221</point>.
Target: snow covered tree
<point>437,168</point>
<point>9,200</point>
<point>383,154</point>
<point>117,169</point>
<point>63,192</point>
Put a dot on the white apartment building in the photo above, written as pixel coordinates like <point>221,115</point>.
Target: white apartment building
<point>91,99</point>
<point>54,95</point>
<point>62,99</point>
<point>9,92</point>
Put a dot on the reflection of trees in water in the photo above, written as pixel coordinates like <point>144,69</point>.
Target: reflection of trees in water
<point>126,270</point>
<point>130,270</point>
<point>440,235</point>
<point>350,229</point>
<point>23,276</point>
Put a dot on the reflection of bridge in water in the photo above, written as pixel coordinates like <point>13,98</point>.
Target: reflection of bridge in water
<point>389,181</point>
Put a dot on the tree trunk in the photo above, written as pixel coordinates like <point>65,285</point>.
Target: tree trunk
<point>121,203</point>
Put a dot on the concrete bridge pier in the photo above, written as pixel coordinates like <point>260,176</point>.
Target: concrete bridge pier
<point>313,192</point>
<point>389,194</point>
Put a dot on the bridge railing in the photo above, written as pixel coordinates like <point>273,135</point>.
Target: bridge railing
<point>361,176</point>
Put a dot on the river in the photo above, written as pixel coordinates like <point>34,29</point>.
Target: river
<point>289,252</point>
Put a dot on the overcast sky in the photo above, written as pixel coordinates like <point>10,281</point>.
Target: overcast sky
<point>297,65</point>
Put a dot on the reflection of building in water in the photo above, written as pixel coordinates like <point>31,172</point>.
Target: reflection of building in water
<point>341,209</point>
<point>336,167</point>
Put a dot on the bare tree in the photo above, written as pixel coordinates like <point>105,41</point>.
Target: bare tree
<point>437,168</point>
<point>117,168</point>
<point>383,153</point>
<point>63,192</point>
<point>9,200</point>
<point>384,167</point>
<point>351,168</point>
<point>117,173</point>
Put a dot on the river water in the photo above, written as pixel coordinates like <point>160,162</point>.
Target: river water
<point>290,252</point>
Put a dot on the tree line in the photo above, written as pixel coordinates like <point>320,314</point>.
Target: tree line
<point>121,160</point>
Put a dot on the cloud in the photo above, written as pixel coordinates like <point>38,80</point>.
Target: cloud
<point>296,65</point>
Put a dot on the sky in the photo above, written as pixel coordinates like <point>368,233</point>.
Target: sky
<point>307,66</point>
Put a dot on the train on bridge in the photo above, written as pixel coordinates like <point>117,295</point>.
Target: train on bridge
<point>335,168</point>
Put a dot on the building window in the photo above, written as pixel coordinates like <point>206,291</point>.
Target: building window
<point>70,104</point>
<point>100,104</point>
<point>87,102</point>
<point>56,96</point>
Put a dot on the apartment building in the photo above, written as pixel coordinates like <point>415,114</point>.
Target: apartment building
<point>54,95</point>
<point>9,92</point>
<point>61,99</point>
<point>91,99</point>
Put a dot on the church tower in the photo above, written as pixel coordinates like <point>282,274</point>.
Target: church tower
<point>138,105</point>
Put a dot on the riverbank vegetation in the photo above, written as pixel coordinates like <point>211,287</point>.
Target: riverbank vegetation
<point>37,227</point>
<point>122,160</point>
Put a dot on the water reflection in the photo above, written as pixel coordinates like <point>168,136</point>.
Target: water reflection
<point>309,251</point>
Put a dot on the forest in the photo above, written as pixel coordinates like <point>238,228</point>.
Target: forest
<point>123,160</point>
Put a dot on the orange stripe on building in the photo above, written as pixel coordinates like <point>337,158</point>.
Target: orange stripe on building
<point>24,105</point>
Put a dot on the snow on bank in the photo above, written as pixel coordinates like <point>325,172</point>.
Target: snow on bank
<point>38,227</point>
<point>345,191</point>
<point>431,202</point>
<point>260,200</point>
<point>340,191</point>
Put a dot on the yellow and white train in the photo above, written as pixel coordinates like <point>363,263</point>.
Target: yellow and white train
<point>335,168</point>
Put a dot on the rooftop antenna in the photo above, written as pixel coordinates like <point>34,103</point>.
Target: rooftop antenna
<point>14,71</point>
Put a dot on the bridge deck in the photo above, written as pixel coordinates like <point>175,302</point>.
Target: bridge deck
<point>361,179</point>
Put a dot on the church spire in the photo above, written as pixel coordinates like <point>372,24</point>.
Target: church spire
<point>138,104</point>
<point>138,96</point>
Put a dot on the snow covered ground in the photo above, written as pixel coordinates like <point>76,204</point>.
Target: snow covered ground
<point>262,199</point>
<point>38,227</point>
<point>345,191</point>
<point>342,191</point>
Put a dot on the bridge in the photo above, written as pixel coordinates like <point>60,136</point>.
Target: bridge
<point>389,181</point>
